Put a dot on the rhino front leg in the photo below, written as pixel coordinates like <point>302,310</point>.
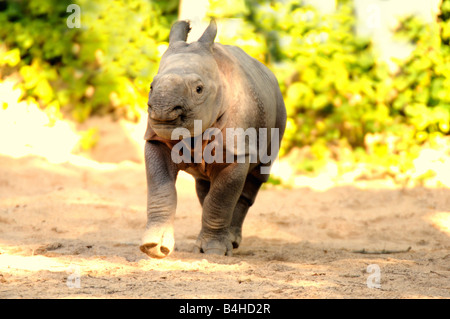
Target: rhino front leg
<point>218,207</point>
<point>158,239</point>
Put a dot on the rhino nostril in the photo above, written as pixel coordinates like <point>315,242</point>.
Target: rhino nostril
<point>165,114</point>
<point>178,108</point>
<point>151,113</point>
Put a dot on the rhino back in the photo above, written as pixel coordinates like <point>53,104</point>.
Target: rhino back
<point>254,90</point>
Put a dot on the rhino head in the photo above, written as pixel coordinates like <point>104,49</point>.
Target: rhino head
<point>187,86</point>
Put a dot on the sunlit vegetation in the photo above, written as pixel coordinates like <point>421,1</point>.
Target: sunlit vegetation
<point>103,67</point>
<point>343,103</point>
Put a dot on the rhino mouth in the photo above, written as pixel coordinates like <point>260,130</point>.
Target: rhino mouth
<point>166,128</point>
<point>166,123</point>
<point>160,117</point>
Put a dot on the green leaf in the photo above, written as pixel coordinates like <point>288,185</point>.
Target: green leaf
<point>10,58</point>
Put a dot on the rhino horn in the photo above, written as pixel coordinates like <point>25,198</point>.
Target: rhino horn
<point>179,31</point>
<point>210,34</point>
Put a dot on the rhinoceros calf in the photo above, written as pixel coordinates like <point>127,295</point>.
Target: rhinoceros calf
<point>208,87</point>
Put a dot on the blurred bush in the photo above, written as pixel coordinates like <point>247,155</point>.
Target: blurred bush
<point>342,102</point>
<point>105,66</point>
<point>338,95</point>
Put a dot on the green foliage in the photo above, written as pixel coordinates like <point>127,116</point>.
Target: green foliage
<point>89,139</point>
<point>444,20</point>
<point>337,94</point>
<point>422,85</point>
<point>339,97</point>
<point>103,67</point>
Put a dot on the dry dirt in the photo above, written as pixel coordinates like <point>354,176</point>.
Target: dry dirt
<point>72,229</point>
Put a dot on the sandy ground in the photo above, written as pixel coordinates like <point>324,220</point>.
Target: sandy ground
<point>71,228</point>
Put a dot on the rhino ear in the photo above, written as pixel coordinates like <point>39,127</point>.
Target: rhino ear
<point>210,34</point>
<point>179,31</point>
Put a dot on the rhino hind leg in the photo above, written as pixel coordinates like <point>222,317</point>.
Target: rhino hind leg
<point>238,219</point>
<point>202,188</point>
<point>252,185</point>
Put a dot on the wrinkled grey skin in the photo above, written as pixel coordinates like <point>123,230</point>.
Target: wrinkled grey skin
<point>225,88</point>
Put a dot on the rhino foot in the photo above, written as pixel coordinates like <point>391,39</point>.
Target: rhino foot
<point>158,242</point>
<point>216,245</point>
<point>236,236</point>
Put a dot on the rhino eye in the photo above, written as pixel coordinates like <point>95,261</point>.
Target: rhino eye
<point>199,89</point>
